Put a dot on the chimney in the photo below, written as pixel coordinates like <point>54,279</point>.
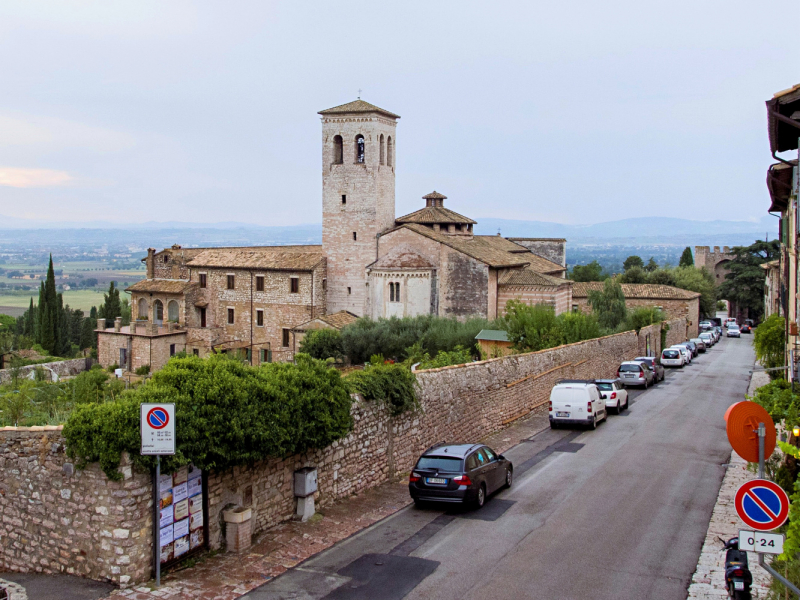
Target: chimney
<point>150,262</point>
<point>434,199</point>
<point>117,323</point>
<point>101,324</point>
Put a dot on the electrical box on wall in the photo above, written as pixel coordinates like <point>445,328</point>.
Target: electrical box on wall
<point>305,481</point>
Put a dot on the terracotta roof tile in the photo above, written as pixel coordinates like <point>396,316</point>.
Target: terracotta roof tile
<point>271,258</point>
<point>357,106</point>
<point>528,276</point>
<point>164,286</point>
<point>435,214</point>
<point>402,257</point>
<point>484,248</point>
<point>340,319</point>
<point>651,291</point>
<point>434,195</point>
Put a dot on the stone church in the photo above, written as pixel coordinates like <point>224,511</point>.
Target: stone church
<point>259,301</point>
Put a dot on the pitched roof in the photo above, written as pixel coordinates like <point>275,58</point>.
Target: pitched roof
<point>357,106</point>
<point>484,248</point>
<point>434,195</point>
<point>492,335</point>
<point>402,257</point>
<point>529,276</point>
<point>649,291</point>
<point>271,258</point>
<point>527,239</point>
<point>435,214</point>
<point>164,286</point>
<point>335,320</point>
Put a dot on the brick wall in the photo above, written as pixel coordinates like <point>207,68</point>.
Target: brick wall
<point>58,519</point>
<point>462,402</point>
<point>62,368</point>
<point>559,298</point>
<point>142,349</point>
<point>688,310</point>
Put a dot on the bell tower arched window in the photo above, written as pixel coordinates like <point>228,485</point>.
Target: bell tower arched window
<point>383,150</point>
<point>338,154</point>
<point>360,152</point>
<point>390,151</point>
<point>142,309</point>
<point>158,312</point>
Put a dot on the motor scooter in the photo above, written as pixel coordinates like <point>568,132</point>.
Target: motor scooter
<point>738,578</point>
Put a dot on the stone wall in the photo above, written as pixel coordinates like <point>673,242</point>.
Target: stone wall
<point>553,249</point>
<point>60,520</point>
<point>62,368</point>
<point>55,518</point>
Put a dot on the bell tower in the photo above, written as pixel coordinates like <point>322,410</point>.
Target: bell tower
<point>358,161</point>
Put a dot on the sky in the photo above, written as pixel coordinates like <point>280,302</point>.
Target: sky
<point>572,112</point>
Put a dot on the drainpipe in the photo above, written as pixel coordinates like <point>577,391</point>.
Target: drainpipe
<point>251,318</point>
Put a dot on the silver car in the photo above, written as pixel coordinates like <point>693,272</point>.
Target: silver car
<point>733,330</point>
<point>700,343</point>
<point>633,372</point>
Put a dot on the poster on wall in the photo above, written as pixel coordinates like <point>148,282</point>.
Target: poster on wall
<point>167,516</point>
<point>182,520</point>
<point>181,546</point>
<point>181,510</point>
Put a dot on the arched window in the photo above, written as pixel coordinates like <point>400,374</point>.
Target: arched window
<point>390,151</point>
<point>337,150</point>
<point>360,149</point>
<point>394,291</point>
<point>158,312</point>
<point>141,309</point>
<point>172,311</point>
<point>383,150</point>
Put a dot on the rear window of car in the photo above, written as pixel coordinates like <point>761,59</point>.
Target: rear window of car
<point>440,463</point>
<point>605,386</point>
<point>629,368</point>
<point>670,354</point>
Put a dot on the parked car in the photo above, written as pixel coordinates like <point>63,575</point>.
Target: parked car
<point>672,357</point>
<point>745,328</point>
<point>613,393</point>
<point>654,364</point>
<point>708,338</point>
<point>687,354</point>
<point>750,322</point>
<point>718,331</point>
<point>733,330</point>
<point>691,346</point>
<point>466,473</point>
<point>576,402</point>
<point>729,321</point>
<point>632,372</point>
<point>701,345</point>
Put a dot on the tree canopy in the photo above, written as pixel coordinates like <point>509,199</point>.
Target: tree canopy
<point>591,272</point>
<point>633,261</point>
<point>687,260</point>
<point>744,284</point>
<point>609,304</point>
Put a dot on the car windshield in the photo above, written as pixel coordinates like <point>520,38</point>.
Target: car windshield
<point>605,386</point>
<point>670,354</point>
<point>629,368</point>
<point>440,463</point>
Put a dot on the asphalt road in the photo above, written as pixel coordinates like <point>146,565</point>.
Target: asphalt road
<point>618,513</point>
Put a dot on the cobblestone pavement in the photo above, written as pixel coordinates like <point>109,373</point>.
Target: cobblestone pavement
<point>228,576</point>
<point>708,580</point>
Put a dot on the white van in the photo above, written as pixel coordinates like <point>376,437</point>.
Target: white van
<point>576,402</point>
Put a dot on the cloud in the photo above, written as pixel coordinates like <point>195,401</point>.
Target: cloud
<point>33,178</point>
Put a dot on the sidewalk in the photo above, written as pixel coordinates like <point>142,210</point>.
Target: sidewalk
<point>227,576</point>
<point>708,580</point>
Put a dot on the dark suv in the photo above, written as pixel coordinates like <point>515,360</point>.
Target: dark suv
<point>465,473</point>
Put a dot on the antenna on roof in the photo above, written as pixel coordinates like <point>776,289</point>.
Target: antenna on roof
<point>359,93</point>
<point>498,231</point>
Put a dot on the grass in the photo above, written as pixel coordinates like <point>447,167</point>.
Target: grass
<point>82,299</point>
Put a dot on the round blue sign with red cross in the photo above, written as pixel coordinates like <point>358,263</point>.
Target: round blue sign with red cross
<point>762,504</point>
<point>157,418</point>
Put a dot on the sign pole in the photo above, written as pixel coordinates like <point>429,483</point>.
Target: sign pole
<point>762,433</point>
<point>158,521</point>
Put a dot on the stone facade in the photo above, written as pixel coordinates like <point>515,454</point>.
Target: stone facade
<point>134,346</point>
<point>717,261</point>
<point>560,298</point>
<point>59,519</point>
<point>61,368</point>
<point>553,249</point>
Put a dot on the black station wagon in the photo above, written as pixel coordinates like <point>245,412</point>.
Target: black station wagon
<point>466,473</point>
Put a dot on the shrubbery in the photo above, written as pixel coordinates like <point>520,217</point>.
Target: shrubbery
<point>393,384</point>
<point>226,414</point>
<point>769,342</point>
<point>322,344</point>
<point>537,327</point>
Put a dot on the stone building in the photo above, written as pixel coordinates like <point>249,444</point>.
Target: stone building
<point>675,302</point>
<point>259,301</point>
<point>717,262</point>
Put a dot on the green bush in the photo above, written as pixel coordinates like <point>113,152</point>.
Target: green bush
<point>392,384</point>
<point>227,414</point>
<point>642,317</point>
<point>532,328</point>
<point>458,356</point>
<point>769,342</point>
<point>780,401</point>
<point>143,370</point>
<point>322,344</point>
<point>609,305</point>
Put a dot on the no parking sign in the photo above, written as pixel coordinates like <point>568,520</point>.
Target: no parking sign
<point>762,504</point>
<point>158,428</point>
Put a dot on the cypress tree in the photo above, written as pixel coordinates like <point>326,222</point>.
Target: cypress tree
<point>64,346</point>
<point>48,331</point>
<point>88,338</point>
<point>28,323</point>
<point>111,307</point>
<point>40,312</point>
<point>93,312</point>
<point>686,258</point>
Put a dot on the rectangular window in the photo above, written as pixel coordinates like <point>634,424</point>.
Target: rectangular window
<point>259,283</point>
<point>203,280</point>
<point>348,291</point>
<point>230,316</point>
<point>202,317</point>
<point>266,355</point>
<point>196,352</point>
<point>285,340</point>
<point>344,198</point>
<point>575,308</point>
<point>294,284</point>
<point>172,349</point>
<point>391,292</point>
<point>324,284</point>
<point>230,282</point>
<point>355,236</point>
<point>260,318</point>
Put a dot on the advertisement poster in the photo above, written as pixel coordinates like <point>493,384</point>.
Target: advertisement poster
<point>181,528</point>
<point>180,492</point>
<point>195,504</point>
<point>167,553</point>
<point>166,535</point>
<point>181,475</point>
<point>195,486</point>
<point>196,521</point>
<point>165,483</point>
<point>196,539</point>
<point>166,498</point>
<point>181,510</point>
<point>181,546</point>
<point>166,516</point>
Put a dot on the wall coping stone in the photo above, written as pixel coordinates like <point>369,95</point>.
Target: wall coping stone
<point>33,428</point>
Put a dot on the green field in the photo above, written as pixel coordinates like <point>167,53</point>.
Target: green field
<point>82,299</point>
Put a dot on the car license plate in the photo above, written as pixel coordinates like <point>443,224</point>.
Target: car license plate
<point>435,480</point>
<point>738,585</point>
<point>629,376</point>
<point>562,414</point>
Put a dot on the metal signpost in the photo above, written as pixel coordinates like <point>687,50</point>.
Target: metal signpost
<point>157,425</point>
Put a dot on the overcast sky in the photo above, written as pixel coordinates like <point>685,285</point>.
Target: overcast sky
<point>575,112</point>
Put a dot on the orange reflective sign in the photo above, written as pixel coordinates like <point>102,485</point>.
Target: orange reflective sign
<point>742,426</point>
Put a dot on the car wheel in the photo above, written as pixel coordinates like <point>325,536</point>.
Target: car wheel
<point>419,503</point>
<point>645,384</point>
<point>509,478</point>
<point>554,425</point>
<point>618,408</point>
<point>627,402</point>
<point>593,424</point>
<point>480,499</point>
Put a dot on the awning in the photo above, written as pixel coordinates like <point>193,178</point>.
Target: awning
<point>783,112</point>
<point>779,184</point>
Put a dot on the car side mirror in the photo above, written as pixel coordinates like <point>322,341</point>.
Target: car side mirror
<point>501,457</point>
